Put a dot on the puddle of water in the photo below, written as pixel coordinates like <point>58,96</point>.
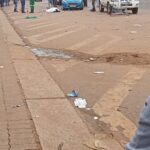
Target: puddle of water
<point>40,52</point>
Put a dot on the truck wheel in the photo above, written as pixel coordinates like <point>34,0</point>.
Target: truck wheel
<point>135,10</point>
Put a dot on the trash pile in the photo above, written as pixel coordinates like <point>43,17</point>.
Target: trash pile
<point>78,102</point>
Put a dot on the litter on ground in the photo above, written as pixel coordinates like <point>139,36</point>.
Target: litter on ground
<point>1,67</point>
<point>95,118</point>
<point>92,59</point>
<point>98,72</point>
<point>53,10</point>
<point>137,25</point>
<point>73,93</point>
<point>133,32</point>
<point>80,103</point>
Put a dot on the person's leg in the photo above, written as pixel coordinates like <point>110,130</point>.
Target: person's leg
<point>32,6</point>
<point>93,5</point>
<point>55,3</point>
<point>23,6</point>
<point>141,139</point>
<point>85,3</point>
<point>15,6</point>
<point>2,4</point>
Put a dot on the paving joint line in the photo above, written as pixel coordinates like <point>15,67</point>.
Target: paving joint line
<point>48,98</point>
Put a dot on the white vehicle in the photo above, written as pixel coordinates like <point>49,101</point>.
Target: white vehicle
<point>119,4</point>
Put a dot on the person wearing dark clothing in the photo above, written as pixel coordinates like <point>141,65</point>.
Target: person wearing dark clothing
<point>1,3</point>
<point>23,6</point>
<point>93,5</point>
<point>6,2</point>
<point>32,3</point>
<point>15,5</point>
<point>141,139</point>
<point>55,3</point>
<point>85,3</point>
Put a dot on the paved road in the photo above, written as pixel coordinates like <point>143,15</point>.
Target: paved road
<point>17,131</point>
<point>120,46</point>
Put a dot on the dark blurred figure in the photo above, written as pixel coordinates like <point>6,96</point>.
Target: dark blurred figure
<point>1,3</point>
<point>32,3</point>
<point>23,6</point>
<point>93,5</point>
<point>85,3</point>
<point>55,3</point>
<point>15,5</point>
<point>6,2</point>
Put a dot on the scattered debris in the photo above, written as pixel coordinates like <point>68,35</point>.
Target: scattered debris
<point>1,67</point>
<point>121,60</point>
<point>73,93</point>
<point>98,72</point>
<point>92,59</point>
<point>95,118</point>
<point>17,106</point>
<point>91,147</point>
<point>27,46</point>
<point>36,116</point>
<point>133,32</point>
<point>80,103</point>
<point>100,144</point>
<point>137,25</point>
<point>53,10</point>
<point>31,17</point>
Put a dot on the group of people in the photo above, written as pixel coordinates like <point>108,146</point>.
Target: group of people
<point>6,3</point>
<point>32,3</point>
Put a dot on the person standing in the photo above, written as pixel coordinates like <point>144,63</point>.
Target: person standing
<point>1,3</point>
<point>93,5</point>
<point>50,3</point>
<point>6,2</point>
<point>23,6</point>
<point>32,3</point>
<point>85,3</point>
<point>15,5</point>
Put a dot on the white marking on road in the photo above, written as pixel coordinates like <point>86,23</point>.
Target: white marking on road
<point>107,106</point>
<point>37,24</point>
<point>59,35</point>
<point>85,42</point>
<point>42,26</point>
<point>52,31</point>
<point>106,45</point>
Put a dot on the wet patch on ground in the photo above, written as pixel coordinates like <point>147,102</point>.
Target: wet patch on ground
<point>113,58</point>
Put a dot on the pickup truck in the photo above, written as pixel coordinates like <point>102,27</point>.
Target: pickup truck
<point>119,4</point>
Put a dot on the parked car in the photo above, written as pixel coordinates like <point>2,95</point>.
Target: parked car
<point>72,4</point>
<point>119,4</point>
